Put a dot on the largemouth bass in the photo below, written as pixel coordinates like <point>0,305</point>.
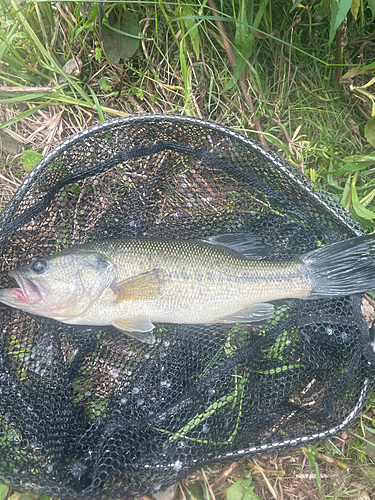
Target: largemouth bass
<point>131,283</point>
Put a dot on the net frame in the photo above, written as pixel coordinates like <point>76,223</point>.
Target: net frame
<point>159,476</point>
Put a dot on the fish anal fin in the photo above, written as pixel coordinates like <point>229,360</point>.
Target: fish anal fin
<point>138,327</point>
<point>255,312</point>
<point>143,286</point>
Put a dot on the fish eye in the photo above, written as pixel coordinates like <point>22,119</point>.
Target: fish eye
<point>39,266</point>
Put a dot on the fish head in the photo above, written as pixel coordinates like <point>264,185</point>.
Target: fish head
<point>61,286</point>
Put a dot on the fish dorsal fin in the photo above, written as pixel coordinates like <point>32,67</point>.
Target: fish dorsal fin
<point>255,312</point>
<point>247,244</point>
<point>143,286</point>
<point>138,327</point>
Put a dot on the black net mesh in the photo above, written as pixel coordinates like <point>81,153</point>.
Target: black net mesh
<point>91,413</point>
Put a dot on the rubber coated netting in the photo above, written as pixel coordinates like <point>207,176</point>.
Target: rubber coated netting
<point>91,413</point>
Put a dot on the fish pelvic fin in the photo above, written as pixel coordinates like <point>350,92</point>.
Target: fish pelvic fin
<point>139,327</point>
<point>255,312</point>
<point>143,286</point>
<point>342,268</point>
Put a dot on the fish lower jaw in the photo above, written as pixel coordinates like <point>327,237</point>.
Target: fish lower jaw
<point>19,294</point>
<point>28,298</point>
<point>11,297</point>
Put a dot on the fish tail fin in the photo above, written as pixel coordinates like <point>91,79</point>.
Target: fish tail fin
<point>343,268</point>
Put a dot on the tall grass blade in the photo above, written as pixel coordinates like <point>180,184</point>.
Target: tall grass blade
<point>372,6</point>
<point>244,38</point>
<point>340,8</point>
<point>187,84</point>
<point>192,28</point>
<point>4,45</point>
<point>22,115</point>
<point>98,106</point>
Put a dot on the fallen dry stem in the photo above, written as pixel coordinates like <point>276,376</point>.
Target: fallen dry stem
<point>223,476</point>
<point>370,301</point>
<point>259,468</point>
<point>212,495</point>
<point>182,491</point>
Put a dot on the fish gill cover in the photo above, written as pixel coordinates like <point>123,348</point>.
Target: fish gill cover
<point>88,412</point>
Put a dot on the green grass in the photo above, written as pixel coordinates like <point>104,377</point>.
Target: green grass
<point>278,82</point>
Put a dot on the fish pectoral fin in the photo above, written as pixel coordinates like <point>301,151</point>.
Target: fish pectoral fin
<point>144,286</point>
<point>138,327</point>
<point>256,312</point>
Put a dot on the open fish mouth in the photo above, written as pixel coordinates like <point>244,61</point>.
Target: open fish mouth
<point>28,291</point>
